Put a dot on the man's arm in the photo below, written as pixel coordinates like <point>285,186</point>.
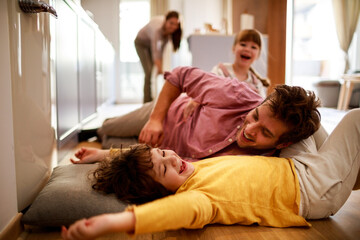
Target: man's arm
<point>100,225</point>
<point>152,132</point>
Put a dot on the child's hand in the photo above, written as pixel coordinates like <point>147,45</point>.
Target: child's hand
<point>89,155</point>
<point>89,229</point>
<point>86,229</point>
<point>190,108</point>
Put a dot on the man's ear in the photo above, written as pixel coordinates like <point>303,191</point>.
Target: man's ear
<point>283,145</point>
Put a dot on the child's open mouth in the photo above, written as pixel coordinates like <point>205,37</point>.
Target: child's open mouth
<point>182,167</point>
<point>245,57</point>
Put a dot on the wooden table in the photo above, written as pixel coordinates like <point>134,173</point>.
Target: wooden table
<point>346,90</point>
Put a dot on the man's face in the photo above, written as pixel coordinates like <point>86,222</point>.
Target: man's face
<point>261,130</point>
<point>169,169</point>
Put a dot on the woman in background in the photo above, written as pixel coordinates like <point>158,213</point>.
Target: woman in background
<point>150,42</point>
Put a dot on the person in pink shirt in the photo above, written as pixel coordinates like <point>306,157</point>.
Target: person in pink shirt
<point>231,118</point>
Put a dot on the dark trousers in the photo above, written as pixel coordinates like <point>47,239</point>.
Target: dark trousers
<point>147,63</point>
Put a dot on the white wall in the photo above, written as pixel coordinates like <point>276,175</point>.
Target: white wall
<point>106,16</point>
<point>8,200</point>
<point>196,13</point>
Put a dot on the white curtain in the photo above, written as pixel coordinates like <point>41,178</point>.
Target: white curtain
<point>346,14</point>
<point>158,7</point>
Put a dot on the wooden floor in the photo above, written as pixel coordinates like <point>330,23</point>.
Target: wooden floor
<point>344,225</point>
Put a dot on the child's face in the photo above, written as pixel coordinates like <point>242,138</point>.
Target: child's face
<point>169,169</point>
<point>246,52</point>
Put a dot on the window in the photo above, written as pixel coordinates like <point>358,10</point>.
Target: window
<point>316,51</point>
<point>134,14</point>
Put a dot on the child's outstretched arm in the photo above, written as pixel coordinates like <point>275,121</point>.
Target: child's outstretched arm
<point>89,155</point>
<point>94,227</point>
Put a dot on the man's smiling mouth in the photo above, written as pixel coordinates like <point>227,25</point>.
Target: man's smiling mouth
<point>247,137</point>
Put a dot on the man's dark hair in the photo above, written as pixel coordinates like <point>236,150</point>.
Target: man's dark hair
<point>297,108</point>
<point>128,176</point>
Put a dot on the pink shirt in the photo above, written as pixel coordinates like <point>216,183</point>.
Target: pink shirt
<point>224,103</point>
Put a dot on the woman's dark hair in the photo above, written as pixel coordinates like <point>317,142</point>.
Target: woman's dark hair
<point>128,176</point>
<point>297,108</point>
<point>175,36</point>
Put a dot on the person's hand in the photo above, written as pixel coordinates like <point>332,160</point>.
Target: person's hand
<point>158,64</point>
<point>190,108</point>
<point>160,72</point>
<point>87,229</point>
<point>89,155</point>
<point>152,133</point>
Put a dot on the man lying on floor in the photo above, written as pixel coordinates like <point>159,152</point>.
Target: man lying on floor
<point>279,192</point>
<point>231,118</point>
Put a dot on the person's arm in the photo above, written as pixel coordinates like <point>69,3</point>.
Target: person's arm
<point>152,132</point>
<point>158,64</point>
<point>90,155</point>
<point>184,210</point>
<point>189,209</point>
<point>204,88</point>
<point>157,48</point>
<point>208,89</point>
<point>100,225</point>
<point>192,105</point>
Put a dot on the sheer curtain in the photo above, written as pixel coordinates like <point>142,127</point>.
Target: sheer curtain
<point>158,7</point>
<point>346,17</point>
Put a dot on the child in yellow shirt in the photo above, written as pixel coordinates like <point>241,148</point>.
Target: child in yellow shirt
<point>226,190</point>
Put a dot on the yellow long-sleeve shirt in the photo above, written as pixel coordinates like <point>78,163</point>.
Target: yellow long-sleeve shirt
<point>228,190</point>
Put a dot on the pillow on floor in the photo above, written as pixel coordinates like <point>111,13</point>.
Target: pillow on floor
<point>68,197</point>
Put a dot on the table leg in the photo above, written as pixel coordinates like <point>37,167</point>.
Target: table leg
<point>349,88</point>
<point>341,96</point>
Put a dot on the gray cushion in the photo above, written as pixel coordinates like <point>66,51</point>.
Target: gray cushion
<point>68,197</point>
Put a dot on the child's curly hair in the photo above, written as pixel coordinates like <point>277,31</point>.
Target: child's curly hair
<point>128,176</point>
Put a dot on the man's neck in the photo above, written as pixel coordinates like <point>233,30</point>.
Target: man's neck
<point>233,149</point>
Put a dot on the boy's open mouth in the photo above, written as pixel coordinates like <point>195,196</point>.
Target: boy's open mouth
<point>182,167</point>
